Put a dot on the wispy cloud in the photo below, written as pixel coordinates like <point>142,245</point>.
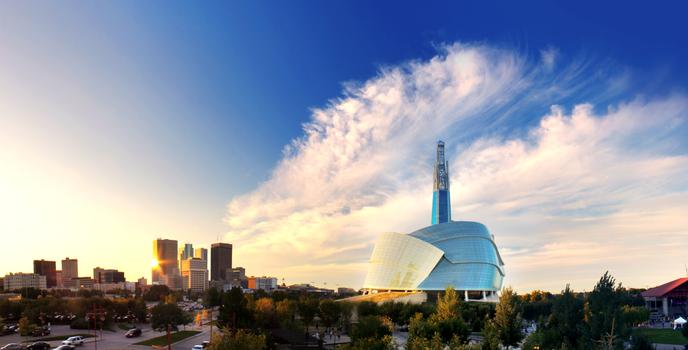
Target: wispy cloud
<point>561,187</point>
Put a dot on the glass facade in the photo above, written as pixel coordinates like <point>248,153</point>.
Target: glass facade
<point>400,262</point>
<point>462,254</point>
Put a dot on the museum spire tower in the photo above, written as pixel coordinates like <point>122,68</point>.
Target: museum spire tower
<point>441,204</point>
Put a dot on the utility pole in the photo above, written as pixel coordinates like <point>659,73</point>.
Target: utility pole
<point>98,314</point>
<point>169,341</point>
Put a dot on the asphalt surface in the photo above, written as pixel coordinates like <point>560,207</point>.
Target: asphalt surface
<point>111,340</point>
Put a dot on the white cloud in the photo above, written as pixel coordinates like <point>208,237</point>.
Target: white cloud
<point>568,194</point>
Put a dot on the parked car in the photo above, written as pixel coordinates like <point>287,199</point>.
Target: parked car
<point>12,346</point>
<point>205,344</point>
<point>41,331</point>
<point>64,347</point>
<point>197,347</point>
<point>41,345</point>
<point>135,332</point>
<point>74,341</point>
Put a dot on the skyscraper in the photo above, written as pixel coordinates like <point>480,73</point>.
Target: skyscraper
<point>220,261</point>
<point>187,252</point>
<point>194,274</point>
<point>441,203</point>
<point>46,268</point>
<point>202,254</point>
<point>165,254</point>
<point>70,269</point>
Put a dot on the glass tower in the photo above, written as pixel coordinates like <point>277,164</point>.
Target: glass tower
<point>441,204</point>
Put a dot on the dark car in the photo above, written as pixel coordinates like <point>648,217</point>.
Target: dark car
<point>133,333</point>
<point>39,346</point>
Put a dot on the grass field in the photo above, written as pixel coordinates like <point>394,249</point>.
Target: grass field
<point>61,337</point>
<point>663,336</point>
<point>162,340</point>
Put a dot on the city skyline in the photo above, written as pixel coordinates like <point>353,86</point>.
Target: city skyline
<point>302,136</point>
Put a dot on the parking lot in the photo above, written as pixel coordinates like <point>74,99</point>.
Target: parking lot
<point>110,340</point>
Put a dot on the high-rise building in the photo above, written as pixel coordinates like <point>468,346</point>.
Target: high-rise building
<point>59,282</point>
<point>46,268</point>
<point>201,253</point>
<point>187,252</point>
<point>220,261</point>
<point>16,281</point>
<point>102,276</point>
<point>441,203</point>
<point>165,254</point>
<point>70,269</point>
<point>194,275</point>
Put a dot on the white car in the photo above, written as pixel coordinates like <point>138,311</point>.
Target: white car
<point>197,347</point>
<point>74,341</point>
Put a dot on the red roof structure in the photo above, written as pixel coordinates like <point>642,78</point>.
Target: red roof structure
<point>666,288</point>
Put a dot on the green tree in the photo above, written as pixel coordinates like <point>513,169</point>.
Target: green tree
<point>372,331</point>
<point>238,340</point>
<point>234,310</point>
<point>602,310</point>
<point>684,331</point>
<point>507,320</point>
<point>308,308</point>
<point>265,312</point>
<point>367,308</point>
<point>286,309</point>
<point>329,312</point>
<point>165,314</point>
<point>346,309</point>
<point>212,297</point>
<point>567,318</point>
<point>25,327</point>
<point>156,292</point>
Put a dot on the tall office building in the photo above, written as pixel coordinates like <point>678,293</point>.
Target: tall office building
<point>70,269</point>
<point>220,261</point>
<point>194,274</point>
<point>20,280</point>
<point>201,253</point>
<point>46,268</point>
<point>187,252</point>
<point>165,253</point>
<point>441,203</point>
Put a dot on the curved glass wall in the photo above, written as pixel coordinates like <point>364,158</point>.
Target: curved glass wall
<point>463,255</point>
<point>400,262</point>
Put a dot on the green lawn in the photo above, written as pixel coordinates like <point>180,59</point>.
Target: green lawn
<point>162,340</point>
<point>61,337</point>
<point>663,336</point>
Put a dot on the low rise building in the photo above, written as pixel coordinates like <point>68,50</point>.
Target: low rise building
<point>83,283</point>
<point>264,283</point>
<point>669,299</point>
<point>16,281</point>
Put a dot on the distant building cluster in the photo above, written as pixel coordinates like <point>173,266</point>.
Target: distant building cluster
<point>178,267</point>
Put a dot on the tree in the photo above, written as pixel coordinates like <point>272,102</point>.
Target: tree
<point>156,292</point>
<point>308,308</point>
<point>367,308</point>
<point>602,310</point>
<point>329,311</point>
<point>212,297</point>
<point>265,312</point>
<point>506,324</point>
<point>286,310</point>
<point>165,314</point>
<point>25,327</point>
<point>684,331</point>
<point>234,311</point>
<point>567,318</point>
<point>346,309</point>
<point>238,340</point>
<point>370,327</point>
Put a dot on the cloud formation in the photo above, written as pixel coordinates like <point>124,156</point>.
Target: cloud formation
<point>562,188</point>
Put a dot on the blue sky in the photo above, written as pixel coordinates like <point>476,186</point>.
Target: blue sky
<point>150,118</point>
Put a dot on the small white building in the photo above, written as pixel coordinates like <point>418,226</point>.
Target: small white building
<point>16,281</point>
